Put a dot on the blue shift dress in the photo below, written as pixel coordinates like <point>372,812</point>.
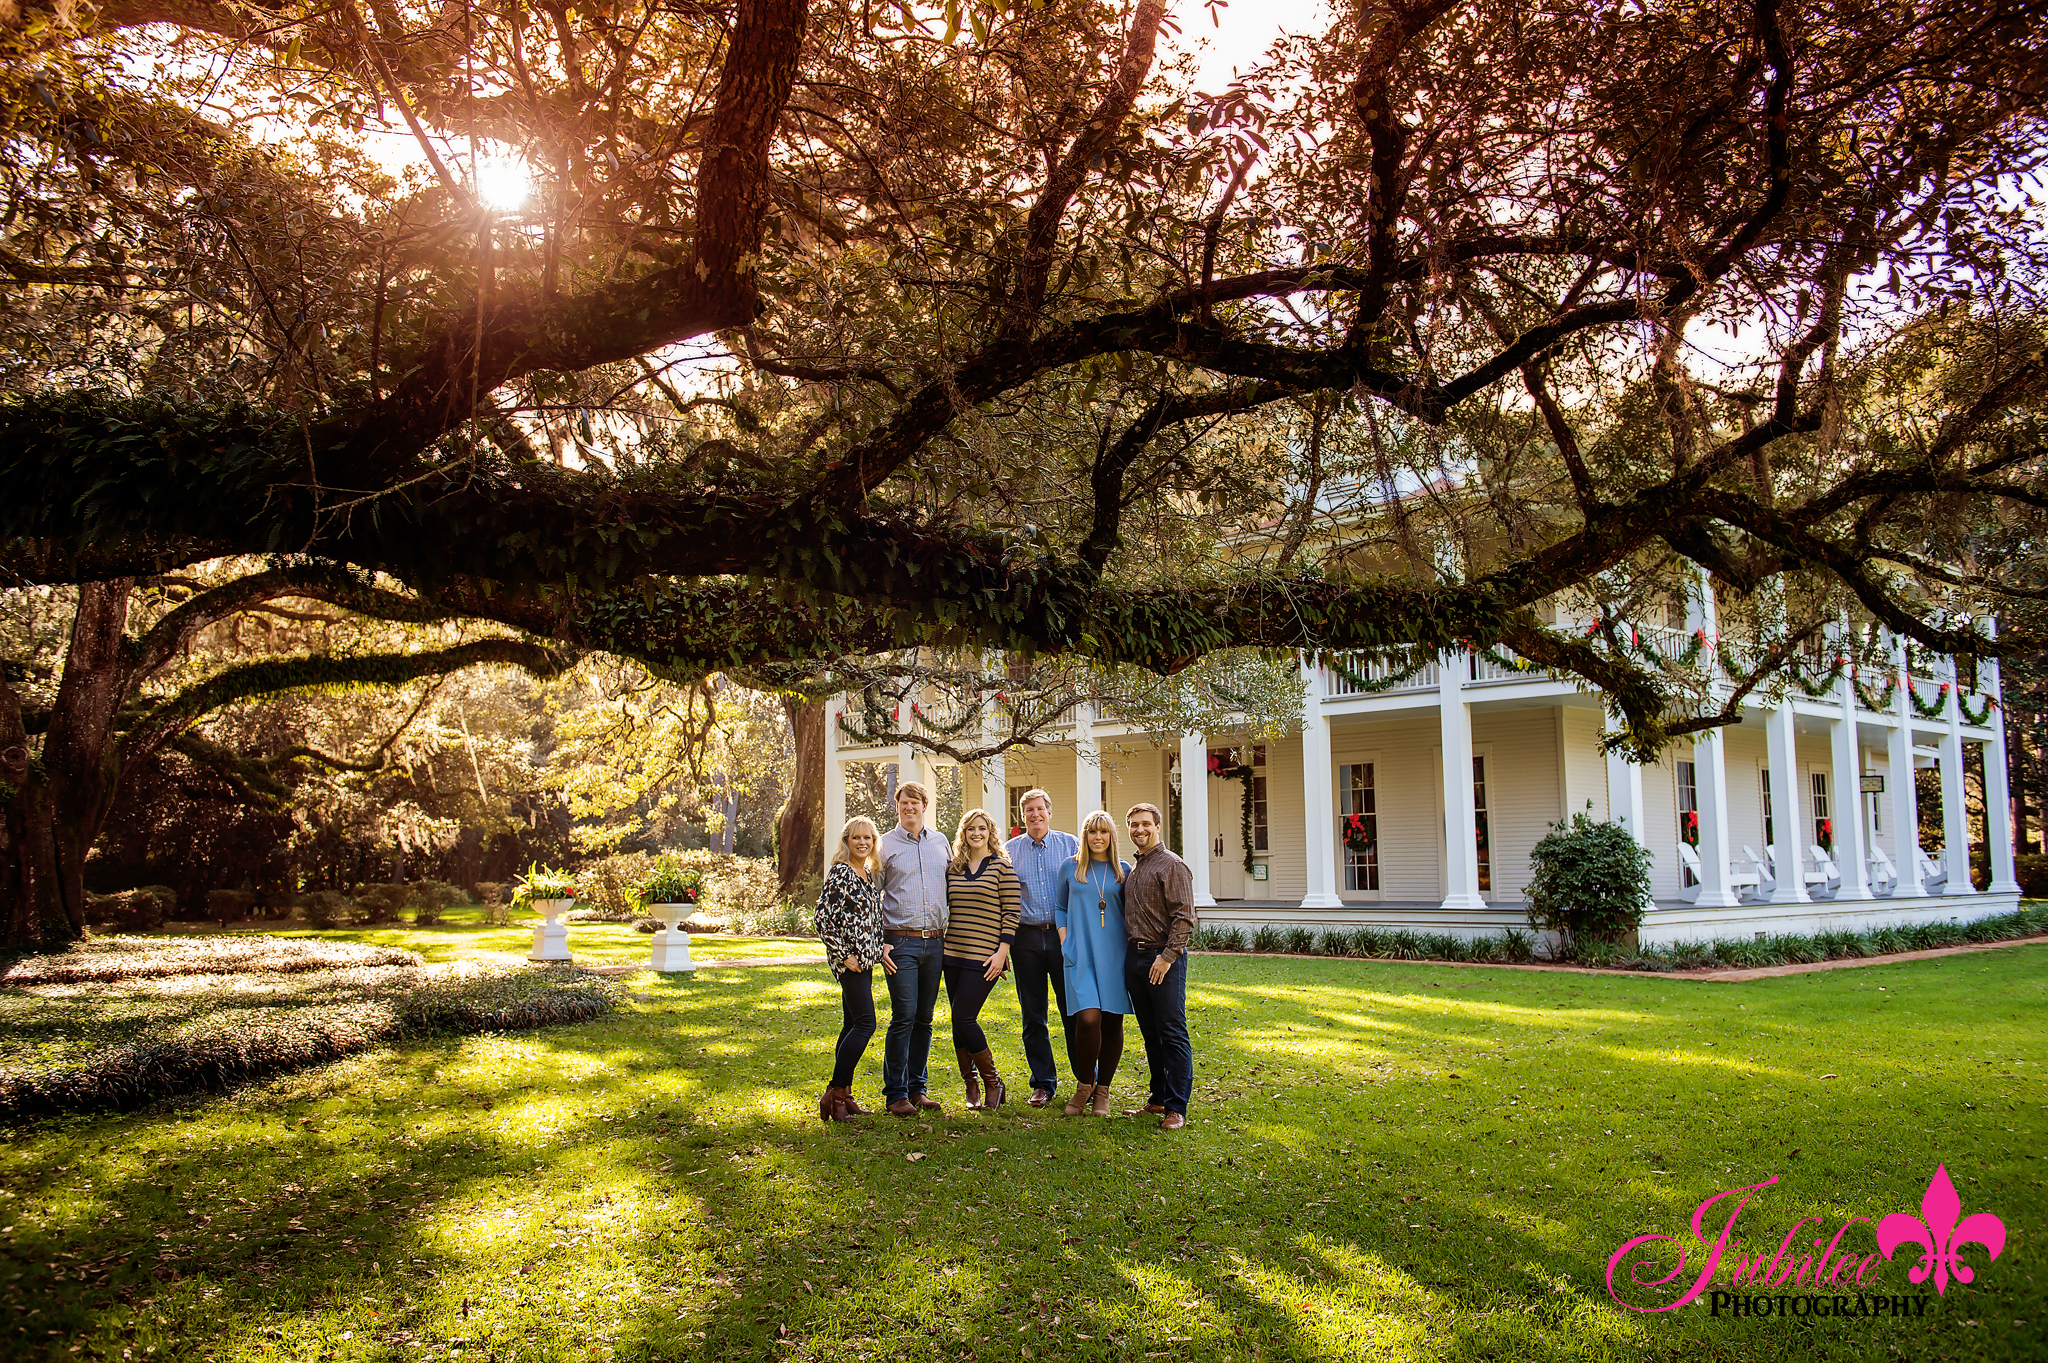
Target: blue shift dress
<point>1092,912</point>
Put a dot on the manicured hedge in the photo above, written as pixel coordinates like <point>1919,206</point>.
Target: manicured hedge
<point>103,960</point>
<point>1513,946</point>
<point>164,1037</point>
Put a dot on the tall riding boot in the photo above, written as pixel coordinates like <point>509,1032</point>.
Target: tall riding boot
<point>991,1082</point>
<point>967,1077</point>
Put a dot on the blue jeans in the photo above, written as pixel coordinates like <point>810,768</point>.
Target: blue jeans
<point>913,994</point>
<point>1162,1011</point>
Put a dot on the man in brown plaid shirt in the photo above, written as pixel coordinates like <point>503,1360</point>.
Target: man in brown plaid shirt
<point>1159,918</point>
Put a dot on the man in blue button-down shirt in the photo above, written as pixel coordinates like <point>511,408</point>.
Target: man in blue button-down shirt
<point>1041,855</point>
<point>913,883</point>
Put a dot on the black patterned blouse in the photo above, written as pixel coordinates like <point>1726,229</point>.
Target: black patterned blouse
<point>849,920</point>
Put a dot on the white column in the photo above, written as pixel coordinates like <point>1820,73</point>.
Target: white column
<point>1710,774</point>
<point>1625,803</point>
<point>1787,828</point>
<point>906,753</point>
<point>995,790</point>
<point>1955,815</point>
<point>1194,813</point>
<point>1905,799</point>
<point>1851,856</point>
<point>1461,816</point>
<point>1087,767</point>
<point>1318,788</point>
<point>835,779</point>
<point>1625,798</point>
<point>1997,783</point>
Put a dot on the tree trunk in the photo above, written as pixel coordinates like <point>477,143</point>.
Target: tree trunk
<point>56,805</point>
<point>798,850</point>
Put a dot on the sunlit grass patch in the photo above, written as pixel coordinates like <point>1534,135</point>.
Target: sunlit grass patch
<point>654,1185</point>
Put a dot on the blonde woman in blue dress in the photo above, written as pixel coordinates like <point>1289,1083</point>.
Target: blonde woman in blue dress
<point>1090,917</point>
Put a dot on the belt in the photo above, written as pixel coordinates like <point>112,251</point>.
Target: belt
<point>1038,927</point>
<point>1154,947</point>
<point>893,932</point>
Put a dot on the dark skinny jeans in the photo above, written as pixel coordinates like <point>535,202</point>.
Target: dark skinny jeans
<point>966,992</point>
<point>857,1029</point>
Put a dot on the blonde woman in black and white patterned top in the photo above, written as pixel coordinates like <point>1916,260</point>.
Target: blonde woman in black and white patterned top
<point>849,923</point>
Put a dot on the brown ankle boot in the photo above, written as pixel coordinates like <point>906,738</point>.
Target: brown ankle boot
<point>853,1107</point>
<point>967,1078</point>
<point>1100,1106</point>
<point>828,1103</point>
<point>1078,1104</point>
<point>992,1083</point>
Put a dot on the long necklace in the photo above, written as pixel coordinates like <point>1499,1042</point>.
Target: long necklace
<point>1101,899</point>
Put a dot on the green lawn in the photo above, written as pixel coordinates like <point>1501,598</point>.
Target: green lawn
<point>1385,1161</point>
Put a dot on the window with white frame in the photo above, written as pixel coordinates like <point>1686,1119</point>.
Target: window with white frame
<point>1823,825</point>
<point>1358,826</point>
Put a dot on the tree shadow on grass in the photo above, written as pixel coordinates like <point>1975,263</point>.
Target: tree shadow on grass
<point>1338,1195</point>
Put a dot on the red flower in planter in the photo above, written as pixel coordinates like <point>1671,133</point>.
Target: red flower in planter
<point>1827,835</point>
<point>1690,826</point>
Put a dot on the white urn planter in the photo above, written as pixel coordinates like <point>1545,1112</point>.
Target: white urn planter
<point>671,944</point>
<point>550,938</point>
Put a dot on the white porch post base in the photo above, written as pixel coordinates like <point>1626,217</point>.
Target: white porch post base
<point>1194,814</point>
<point>550,938</point>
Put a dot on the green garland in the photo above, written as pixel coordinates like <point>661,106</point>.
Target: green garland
<point>1934,709</point>
<point>1367,686</point>
<point>1881,702</point>
<point>1513,662</point>
<point>1685,659</point>
<point>1243,774</point>
<point>1821,689</point>
<point>1983,716</point>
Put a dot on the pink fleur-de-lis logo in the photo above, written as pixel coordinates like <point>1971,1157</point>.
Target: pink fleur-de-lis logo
<point>1939,1235</point>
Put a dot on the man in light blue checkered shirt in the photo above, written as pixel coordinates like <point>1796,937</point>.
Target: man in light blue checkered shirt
<point>1041,854</point>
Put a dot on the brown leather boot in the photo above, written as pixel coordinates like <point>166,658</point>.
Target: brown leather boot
<point>1078,1104</point>
<point>992,1083</point>
<point>828,1105</point>
<point>1100,1106</point>
<point>853,1107</point>
<point>926,1102</point>
<point>967,1078</point>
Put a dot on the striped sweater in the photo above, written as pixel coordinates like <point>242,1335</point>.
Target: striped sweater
<point>981,910</point>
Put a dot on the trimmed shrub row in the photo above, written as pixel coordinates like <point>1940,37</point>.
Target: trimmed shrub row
<point>102,960</point>
<point>217,1039</point>
<point>1725,953</point>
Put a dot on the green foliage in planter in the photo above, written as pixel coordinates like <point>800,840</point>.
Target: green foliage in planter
<point>1269,938</point>
<point>1300,941</point>
<point>1589,881</point>
<point>543,882</point>
<point>670,882</point>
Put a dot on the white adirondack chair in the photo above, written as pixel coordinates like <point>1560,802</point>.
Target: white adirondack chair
<point>1762,882</point>
<point>1690,860</point>
<point>1830,874</point>
<point>1884,877</point>
<point>1933,874</point>
<point>1806,877</point>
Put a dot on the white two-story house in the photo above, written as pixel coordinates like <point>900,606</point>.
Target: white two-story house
<point>1412,795</point>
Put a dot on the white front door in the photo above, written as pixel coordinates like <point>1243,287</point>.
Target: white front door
<point>1226,837</point>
